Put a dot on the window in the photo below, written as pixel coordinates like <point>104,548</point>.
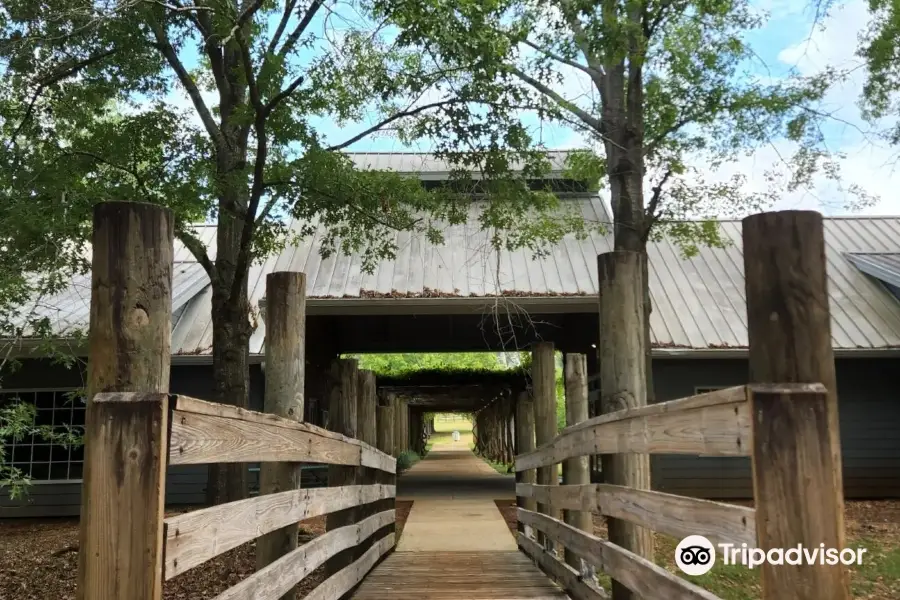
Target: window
<point>35,456</point>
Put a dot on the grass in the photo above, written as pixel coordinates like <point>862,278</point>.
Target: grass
<point>874,526</point>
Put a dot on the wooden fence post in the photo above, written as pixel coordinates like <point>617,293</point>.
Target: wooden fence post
<point>342,418</point>
<point>576,471</point>
<point>367,432</point>
<point>385,422</point>
<point>623,384</point>
<point>285,368</point>
<point>524,444</point>
<point>397,402</point>
<point>543,377</point>
<point>126,435</point>
<point>797,479</point>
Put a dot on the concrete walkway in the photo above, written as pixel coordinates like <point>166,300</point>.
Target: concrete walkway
<point>453,492</point>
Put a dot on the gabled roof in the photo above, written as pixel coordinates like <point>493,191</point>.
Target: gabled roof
<point>884,266</point>
<point>428,167</point>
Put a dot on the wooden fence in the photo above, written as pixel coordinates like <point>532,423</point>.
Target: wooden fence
<point>135,429</point>
<point>790,431</point>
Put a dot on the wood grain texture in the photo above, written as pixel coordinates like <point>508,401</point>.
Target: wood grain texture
<point>384,418</point>
<point>796,488</point>
<point>789,332</point>
<point>347,578</point>
<point>282,575</point>
<point>575,471</point>
<point>457,576</point>
<point>366,454</point>
<point>525,445</point>
<point>195,537</point>
<point>129,349</point>
<point>713,424</point>
<point>201,439</point>
<point>568,578</point>
<point>677,516</point>
<point>543,382</point>
<point>121,549</point>
<point>643,577</point>
<point>285,366</point>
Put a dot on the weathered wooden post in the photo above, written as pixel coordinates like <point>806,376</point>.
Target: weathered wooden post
<point>543,377</point>
<point>126,434</point>
<point>398,424</point>
<point>525,444</point>
<point>623,384</point>
<point>285,367</point>
<point>366,432</point>
<point>797,481</point>
<point>576,471</point>
<point>385,422</point>
<point>342,418</point>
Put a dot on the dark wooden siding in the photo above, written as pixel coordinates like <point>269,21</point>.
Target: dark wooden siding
<point>870,429</point>
<point>185,484</point>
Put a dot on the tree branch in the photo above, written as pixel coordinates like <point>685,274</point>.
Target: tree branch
<point>280,96</point>
<point>652,206</point>
<point>193,92</point>
<point>391,119</point>
<point>196,247</point>
<point>291,40</point>
<point>590,120</point>
<point>289,6</point>
<point>596,76</point>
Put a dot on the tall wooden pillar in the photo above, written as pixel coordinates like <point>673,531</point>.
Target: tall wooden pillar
<point>543,377</point>
<point>342,418</point>
<point>285,347</point>
<point>576,471</point>
<point>797,482</point>
<point>525,444</point>
<point>623,384</point>
<point>129,350</point>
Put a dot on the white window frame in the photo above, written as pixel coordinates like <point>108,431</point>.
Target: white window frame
<point>58,392</point>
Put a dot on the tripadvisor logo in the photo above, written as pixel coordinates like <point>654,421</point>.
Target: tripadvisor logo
<point>696,555</point>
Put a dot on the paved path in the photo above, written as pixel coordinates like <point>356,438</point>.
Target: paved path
<point>453,511</point>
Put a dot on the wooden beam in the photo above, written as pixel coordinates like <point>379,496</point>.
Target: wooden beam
<point>576,470</point>
<point>623,385</point>
<point>340,583</point>
<point>285,362</point>
<point>524,445</point>
<point>543,381</point>
<point>566,576</point>
<point>796,440</point>
<point>123,490</point>
<point>638,575</point>
<point>286,572</point>
<point>712,424</point>
<point>342,418</point>
<point>367,402</point>
<point>677,516</point>
<point>195,537</point>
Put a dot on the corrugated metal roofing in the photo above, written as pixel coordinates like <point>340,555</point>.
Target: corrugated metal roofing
<point>698,303</point>
<point>428,167</point>
<point>880,265</point>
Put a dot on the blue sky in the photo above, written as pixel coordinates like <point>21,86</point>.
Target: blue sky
<point>788,42</point>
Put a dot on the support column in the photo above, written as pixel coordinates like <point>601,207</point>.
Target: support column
<point>129,349</point>
<point>525,444</point>
<point>576,471</point>
<point>543,378</point>
<point>384,419</point>
<point>285,332</point>
<point>623,384</point>
<point>797,482</point>
<point>342,418</point>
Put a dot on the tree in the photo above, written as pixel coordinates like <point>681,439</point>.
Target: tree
<point>88,112</point>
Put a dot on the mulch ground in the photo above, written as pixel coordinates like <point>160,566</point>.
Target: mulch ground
<point>39,561</point>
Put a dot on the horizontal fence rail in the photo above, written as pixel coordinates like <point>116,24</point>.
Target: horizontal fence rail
<point>712,424</point>
<point>206,432</point>
<point>696,422</point>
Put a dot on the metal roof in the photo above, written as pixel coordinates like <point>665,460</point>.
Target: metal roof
<point>884,266</point>
<point>698,303</point>
<point>428,167</point>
